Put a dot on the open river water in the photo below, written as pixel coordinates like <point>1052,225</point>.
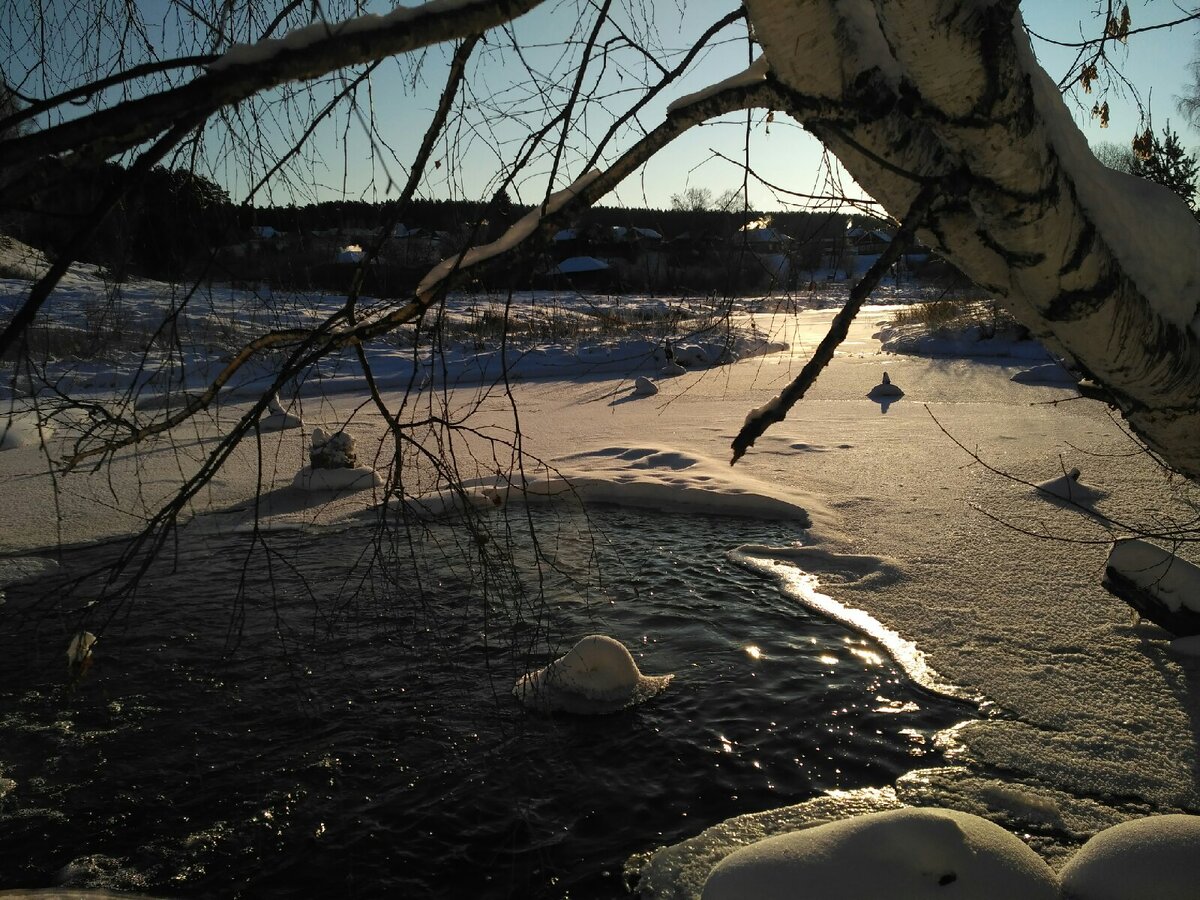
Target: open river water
<point>331,714</point>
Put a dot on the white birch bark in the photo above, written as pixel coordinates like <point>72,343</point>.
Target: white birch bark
<point>1102,267</point>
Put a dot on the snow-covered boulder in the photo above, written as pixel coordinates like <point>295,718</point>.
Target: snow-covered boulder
<point>597,676</point>
<point>79,651</point>
<point>902,854</point>
<point>691,355</point>
<point>1158,584</point>
<point>1157,857</point>
<point>644,387</point>
<point>334,465</point>
<point>671,369</point>
<point>332,451</point>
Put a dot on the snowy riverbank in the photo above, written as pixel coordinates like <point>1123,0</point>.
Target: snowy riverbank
<point>1090,719</point>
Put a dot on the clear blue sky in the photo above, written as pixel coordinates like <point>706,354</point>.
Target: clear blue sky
<point>486,140</point>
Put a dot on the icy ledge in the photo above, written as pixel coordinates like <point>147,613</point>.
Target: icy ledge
<point>657,478</point>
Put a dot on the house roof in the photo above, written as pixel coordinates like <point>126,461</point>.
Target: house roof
<point>758,235</point>
<point>620,232</point>
<point>578,264</point>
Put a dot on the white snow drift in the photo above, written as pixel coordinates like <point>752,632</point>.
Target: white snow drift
<point>904,854</point>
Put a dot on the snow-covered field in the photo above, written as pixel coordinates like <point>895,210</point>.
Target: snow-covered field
<point>1088,718</point>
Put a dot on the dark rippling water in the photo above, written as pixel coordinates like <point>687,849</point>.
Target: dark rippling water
<point>323,721</point>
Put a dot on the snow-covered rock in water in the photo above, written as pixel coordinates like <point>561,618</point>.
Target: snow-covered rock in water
<point>1068,487</point>
<point>79,651</point>
<point>332,451</point>
<point>22,431</point>
<point>885,388</point>
<point>358,478</point>
<point>278,418</point>
<point>691,355</point>
<point>671,369</point>
<point>598,676</point>
<point>1157,857</point>
<point>903,854</point>
<point>644,387</point>
<point>1158,584</point>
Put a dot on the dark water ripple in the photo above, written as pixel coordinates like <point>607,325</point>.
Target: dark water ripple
<point>359,738</point>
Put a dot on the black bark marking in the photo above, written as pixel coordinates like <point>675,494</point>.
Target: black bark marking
<point>1070,305</point>
<point>1017,259</point>
<point>1083,246</point>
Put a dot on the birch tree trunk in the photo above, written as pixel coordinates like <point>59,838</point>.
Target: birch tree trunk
<point>1102,267</point>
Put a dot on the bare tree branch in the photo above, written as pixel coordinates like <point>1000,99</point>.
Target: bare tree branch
<point>776,411</point>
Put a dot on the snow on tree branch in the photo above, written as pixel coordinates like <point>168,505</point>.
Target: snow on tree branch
<point>248,70</point>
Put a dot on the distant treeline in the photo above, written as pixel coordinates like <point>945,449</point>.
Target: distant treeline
<point>808,229</point>
<point>171,223</point>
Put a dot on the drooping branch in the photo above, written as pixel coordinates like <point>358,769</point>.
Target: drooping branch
<point>777,409</point>
<point>339,332</point>
<point>243,72</point>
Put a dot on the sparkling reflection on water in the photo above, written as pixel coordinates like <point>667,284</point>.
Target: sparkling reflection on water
<point>328,718</point>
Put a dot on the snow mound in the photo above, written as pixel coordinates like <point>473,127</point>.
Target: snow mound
<point>21,431</point>
<point>597,676</point>
<point>971,341</point>
<point>19,260</point>
<point>905,854</point>
<point>1050,374</point>
<point>666,479</point>
<point>885,388</point>
<point>1068,487</point>
<point>1155,857</point>
<point>644,387</point>
<point>358,478</point>
<point>278,418</point>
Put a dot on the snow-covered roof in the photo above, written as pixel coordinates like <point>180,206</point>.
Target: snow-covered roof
<point>620,232</point>
<point>578,264</point>
<point>876,234</point>
<point>567,234</point>
<point>764,235</point>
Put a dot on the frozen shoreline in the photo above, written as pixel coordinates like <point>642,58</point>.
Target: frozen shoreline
<point>1098,720</point>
